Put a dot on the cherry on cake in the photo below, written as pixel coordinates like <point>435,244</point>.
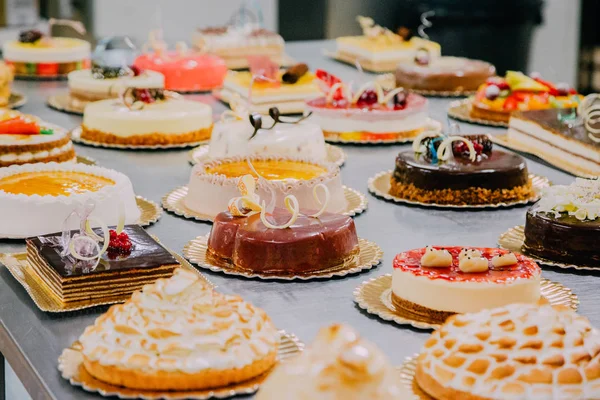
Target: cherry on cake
<point>26,139</point>
<point>459,170</point>
<point>435,282</point>
<point>146,117</point>
<point>36,199</point>
<point>369,113</point>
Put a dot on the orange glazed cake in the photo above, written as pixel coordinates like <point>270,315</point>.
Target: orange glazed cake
<point>180,334</point>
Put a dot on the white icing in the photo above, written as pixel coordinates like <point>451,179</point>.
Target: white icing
<point>580,199</point>
<point>358,123</point>
<point>236,37</point>
<point>83,81</point>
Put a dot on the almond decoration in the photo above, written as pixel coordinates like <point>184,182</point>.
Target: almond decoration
<point>469,253</point>
<point>436,258</point>
<point>503,260</point>
<point>473,264</point>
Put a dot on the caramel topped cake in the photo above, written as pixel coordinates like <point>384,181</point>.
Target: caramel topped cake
<point>284,169</point>
<point>459,170</point>
<point>338,365</point>
<point>52,183</point>
<point>516,352</point>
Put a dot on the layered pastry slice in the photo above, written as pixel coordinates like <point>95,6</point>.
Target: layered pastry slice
<point>6,79</point>
<point>499,98</point>
<point>380,49</point>
<point>339,364</point>
<point>564,226</point>
<point>214,183</point>
<point>516,352</point>
<point>146,117</point>
<point>369,113</point>
<point>36,199</point>
<point>179,334</point>
<point>436,282</point>
<point>459,170</point>
<point>26,139</point>
<point>132,259</point>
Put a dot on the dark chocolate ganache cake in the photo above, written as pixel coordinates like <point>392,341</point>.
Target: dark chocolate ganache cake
<point>564,226</point>
<point>309,245</point>
<point>459,177</point>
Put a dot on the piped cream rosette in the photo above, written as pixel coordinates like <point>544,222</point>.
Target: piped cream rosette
<point>180,334</point>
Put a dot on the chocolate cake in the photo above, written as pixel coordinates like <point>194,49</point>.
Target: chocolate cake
<point>492,176</point>
<point>326,243</point>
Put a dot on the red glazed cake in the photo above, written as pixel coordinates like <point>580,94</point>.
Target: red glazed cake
<point>435,282</point>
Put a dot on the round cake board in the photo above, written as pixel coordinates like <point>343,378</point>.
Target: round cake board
<point>461,110</point>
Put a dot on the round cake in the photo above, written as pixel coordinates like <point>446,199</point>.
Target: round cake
<point>26,139</point>
<point>179,334</point>
<point>152,119</point>
<point>36,199</point>
<point>564,226</point>
<point>369,114</point>
<point>443,74</point>
<point>35,54</point>
<point>489,176</point>
<point>516,352</point>
<point>214,183</point>
<point>6,79</point>
<point>435,282</point>
<point>103,83</point>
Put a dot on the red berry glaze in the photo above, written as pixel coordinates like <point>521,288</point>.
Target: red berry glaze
<point>367,98</point>
<point>119,243</point>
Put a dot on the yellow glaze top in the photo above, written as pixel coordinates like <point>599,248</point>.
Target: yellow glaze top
<point>54,42</point>
<point>53,183</point>
<point>269,169</point>
<point>306,83</point>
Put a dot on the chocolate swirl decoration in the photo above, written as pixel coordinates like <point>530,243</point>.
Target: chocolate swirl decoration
<point>257,124</point>
<point>136,98</point>
<point>589,110</point>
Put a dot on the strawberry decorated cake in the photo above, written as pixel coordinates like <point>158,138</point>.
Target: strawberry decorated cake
<point>498,98</point>
<point>435,282</point>
<point>369,114</point>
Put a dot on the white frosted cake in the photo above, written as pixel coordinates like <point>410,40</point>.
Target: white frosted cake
<point>161,122</point>
<point>233,138</point>
<point>36,199</point>
<point>213,184</point>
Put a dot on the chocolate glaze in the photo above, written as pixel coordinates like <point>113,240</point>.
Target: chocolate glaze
<point>562,239</point>
<point>146,253</point>
<point>310,244</point>
<point>499,170</point>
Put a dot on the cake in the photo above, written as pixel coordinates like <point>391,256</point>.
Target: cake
<point>145,117</point>
<point>37,55</point>
<point>339,364</point>
<point>435,282</point>
<point>498,98</point>
<point>564,226</point>
<point>369,113</point>
<point>555,134</point>
<point>261,92</point>
<point>179,334</point>
<point>131,260</point>
<point>184,70</point>
<point>6,79</point>
<point>516,352</point>
<point>443,74</point>
<point>101,83</point>
<point>214,183</point>
<point>234,136</point>
<point>459,170</point>
<point>26,139</point>
<point>379,49</point>
<point>36,199</point>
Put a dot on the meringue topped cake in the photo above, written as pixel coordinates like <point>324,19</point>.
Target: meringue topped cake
<point>459,170</point>
<point>564,226</point>
<point>516,352</point>
<point>436,282</point>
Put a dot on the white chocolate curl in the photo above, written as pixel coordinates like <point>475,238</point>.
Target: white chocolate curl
<point>503,260</point>
<point>291,203</point>
<point>589,110</point>
<point>417,143</point>
<point>436,258</point>
<point>333,89</point>
<point>323,203</point>
<point>473,264</point>
<point>445,149</point>
<point>580,199</point>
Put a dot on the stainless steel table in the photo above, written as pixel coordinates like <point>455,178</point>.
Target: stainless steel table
<point>32,340</point>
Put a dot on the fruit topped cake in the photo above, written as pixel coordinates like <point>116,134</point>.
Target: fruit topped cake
<point>380,49</point>
<point>564,226</point>
<point>369,113</point>
<point>516,352</point>
<point>435,282</point>
<point>498,98</point>
<point>37,54</point>
<point>459,170</point>
<point>255,237</point>
<point>339,364</point>
<point>26,139</point>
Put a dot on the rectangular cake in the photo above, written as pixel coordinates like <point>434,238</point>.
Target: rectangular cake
<point>117,274</point>
<point>564,141</point>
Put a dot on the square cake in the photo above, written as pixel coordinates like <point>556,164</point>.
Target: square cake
<point>117,274</point>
